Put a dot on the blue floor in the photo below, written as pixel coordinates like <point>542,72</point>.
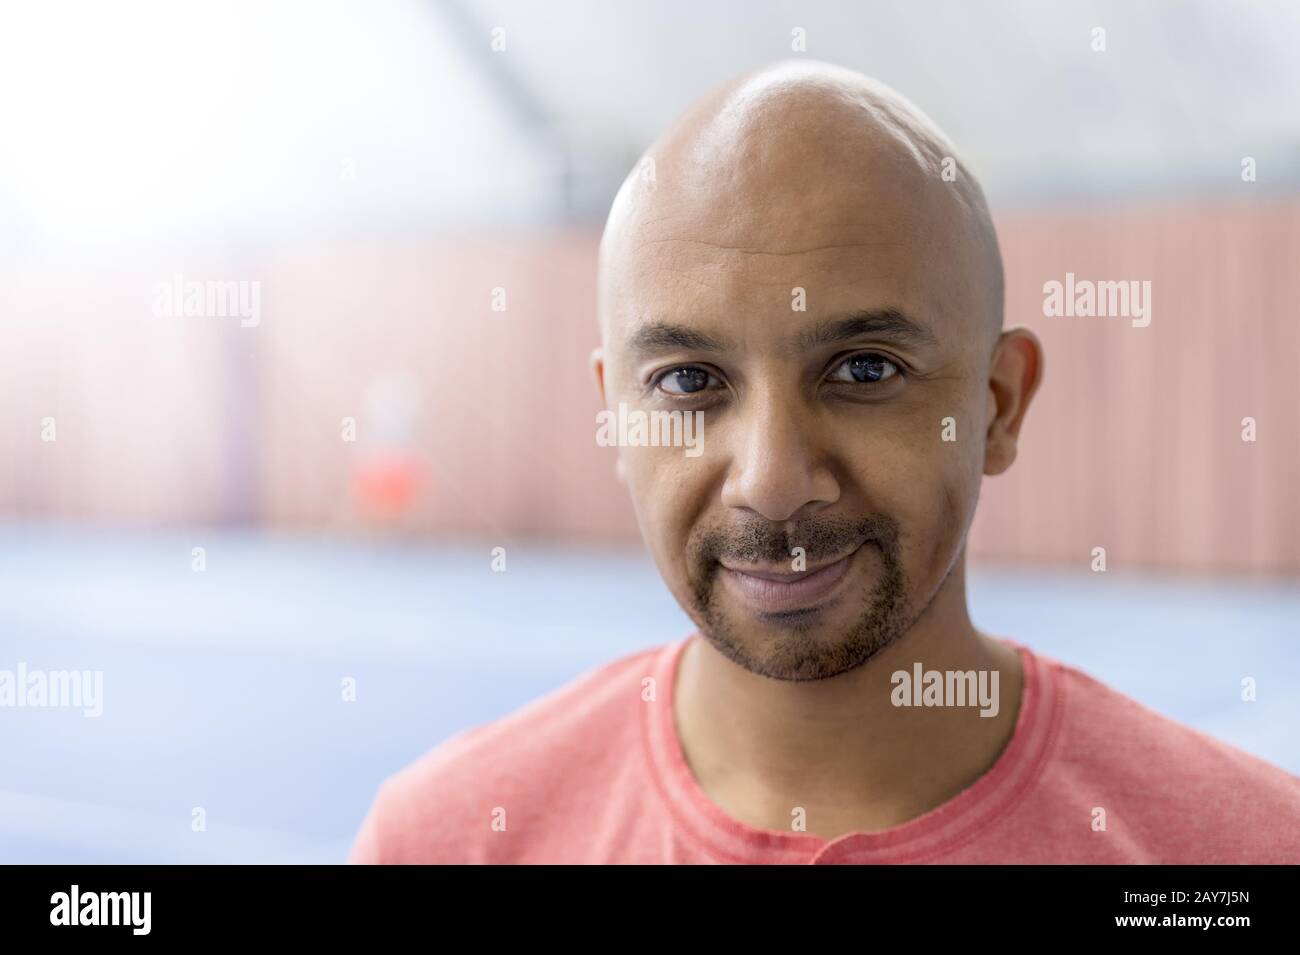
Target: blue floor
<point>222,688</point>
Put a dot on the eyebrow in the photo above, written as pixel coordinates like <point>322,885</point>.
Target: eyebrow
<point>887,323</point>
<point>665,336</point>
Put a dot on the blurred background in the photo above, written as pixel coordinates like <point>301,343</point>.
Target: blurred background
<point>238,516</point>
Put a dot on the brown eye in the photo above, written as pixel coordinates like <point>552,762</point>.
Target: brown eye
<point>686,380</point>
<point>866,368</point>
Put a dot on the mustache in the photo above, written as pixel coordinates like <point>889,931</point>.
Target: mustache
<point>757,541</point>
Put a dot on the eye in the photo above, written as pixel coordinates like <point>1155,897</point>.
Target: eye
<point>865,368</point>
<point>686,380</point>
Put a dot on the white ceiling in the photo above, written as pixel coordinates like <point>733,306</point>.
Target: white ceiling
<point>157,121</point>
<point>1182,92</point>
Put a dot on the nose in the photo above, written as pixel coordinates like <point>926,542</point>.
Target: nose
<point>778,468</point>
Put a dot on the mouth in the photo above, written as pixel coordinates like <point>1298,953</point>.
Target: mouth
<point>777,591</point>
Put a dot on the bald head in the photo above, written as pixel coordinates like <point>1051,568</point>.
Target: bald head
<point>800,158</point>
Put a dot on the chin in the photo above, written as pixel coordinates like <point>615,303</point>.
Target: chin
<point>793,645</point>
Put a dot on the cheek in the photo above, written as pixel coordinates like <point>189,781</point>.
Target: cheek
<point>897,460</point>
<point>668,491</point>
<point>927,484</point>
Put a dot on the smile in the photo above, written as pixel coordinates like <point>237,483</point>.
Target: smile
<point>770,591</point>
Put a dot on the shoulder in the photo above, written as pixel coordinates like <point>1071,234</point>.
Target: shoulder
<point>1176,791</point>
<point>536,763</point>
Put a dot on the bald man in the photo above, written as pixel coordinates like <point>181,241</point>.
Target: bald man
<point>803,265</point>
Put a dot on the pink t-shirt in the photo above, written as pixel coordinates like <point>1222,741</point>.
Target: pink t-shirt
<point>594,773</point>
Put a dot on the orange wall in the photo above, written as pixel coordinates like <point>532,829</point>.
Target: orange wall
<point>1133,444</point>
<point>1135,441</point>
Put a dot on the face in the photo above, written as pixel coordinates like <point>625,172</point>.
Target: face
<point>843,425</point>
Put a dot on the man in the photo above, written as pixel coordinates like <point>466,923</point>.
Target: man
<point>803,259</point>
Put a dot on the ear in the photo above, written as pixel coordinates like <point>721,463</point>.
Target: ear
<point>1016,371</point>
<point>598,370</point>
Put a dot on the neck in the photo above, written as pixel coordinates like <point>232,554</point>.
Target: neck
<point>839,748</point>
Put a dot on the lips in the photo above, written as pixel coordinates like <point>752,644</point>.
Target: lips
<point>768,590</point>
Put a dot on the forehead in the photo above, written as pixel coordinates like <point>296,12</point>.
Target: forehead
<point>770,267</point>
